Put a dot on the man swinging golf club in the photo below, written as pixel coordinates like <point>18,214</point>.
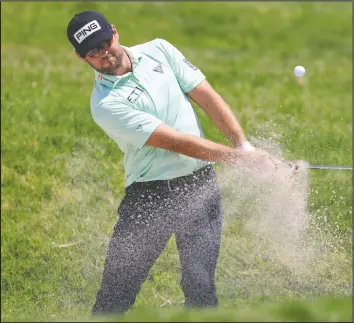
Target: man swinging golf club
<point>141,99</point>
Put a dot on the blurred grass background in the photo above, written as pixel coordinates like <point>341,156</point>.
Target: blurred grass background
<point>62,178</point>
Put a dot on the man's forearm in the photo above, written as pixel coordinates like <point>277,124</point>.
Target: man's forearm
<point>167,138</point>
<point>225,120</point>
<point>204,149</point>
<point>219,112</point>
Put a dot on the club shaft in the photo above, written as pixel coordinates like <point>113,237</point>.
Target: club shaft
<point>329,167</point>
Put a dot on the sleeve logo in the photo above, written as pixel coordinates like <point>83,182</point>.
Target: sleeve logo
<point>190,64</point>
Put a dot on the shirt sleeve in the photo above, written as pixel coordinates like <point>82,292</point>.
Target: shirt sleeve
<point>123,123</point>
<point>188,75</point>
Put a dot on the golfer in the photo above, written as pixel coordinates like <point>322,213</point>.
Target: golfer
<point>142,100</point>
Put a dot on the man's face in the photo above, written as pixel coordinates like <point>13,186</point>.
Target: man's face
<point>108,59</point>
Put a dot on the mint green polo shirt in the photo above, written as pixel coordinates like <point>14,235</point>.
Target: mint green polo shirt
<point>130,107</point>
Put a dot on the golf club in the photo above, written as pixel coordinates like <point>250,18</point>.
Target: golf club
<point>309,166</point>
<point>329,167</point>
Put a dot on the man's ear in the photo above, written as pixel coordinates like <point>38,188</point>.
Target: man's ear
<point>78,55</point>
<point>115,32</point>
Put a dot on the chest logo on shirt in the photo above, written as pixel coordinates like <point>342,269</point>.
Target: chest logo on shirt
<point>135,95</point>
<point>158,69</point>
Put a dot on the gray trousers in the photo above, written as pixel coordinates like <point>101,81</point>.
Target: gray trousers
<point>150,212</point>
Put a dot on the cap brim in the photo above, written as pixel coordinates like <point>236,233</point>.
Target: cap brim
<point>95,41</point>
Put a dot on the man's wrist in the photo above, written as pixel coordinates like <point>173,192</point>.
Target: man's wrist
<point>246,146</point>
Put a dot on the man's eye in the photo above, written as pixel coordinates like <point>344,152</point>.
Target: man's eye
<point>93,52</point>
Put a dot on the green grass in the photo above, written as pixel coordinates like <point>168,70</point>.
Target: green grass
<point>320,310</point>
<point>62,178</point>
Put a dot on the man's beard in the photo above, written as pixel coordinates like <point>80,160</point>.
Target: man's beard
<point>112,69</point>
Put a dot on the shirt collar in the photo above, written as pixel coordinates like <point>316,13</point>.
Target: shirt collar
<point>112,80</point>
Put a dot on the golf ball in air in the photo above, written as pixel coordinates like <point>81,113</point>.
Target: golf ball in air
<point>299,71</point>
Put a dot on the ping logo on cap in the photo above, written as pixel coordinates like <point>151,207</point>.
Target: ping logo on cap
<point>87,30</point>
